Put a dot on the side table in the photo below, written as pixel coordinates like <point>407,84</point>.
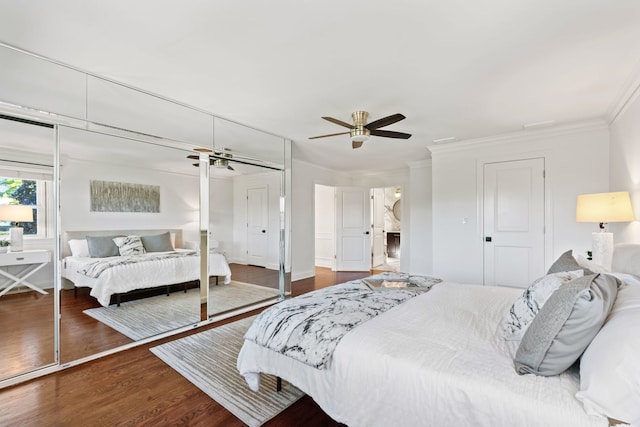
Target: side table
<point>33,259</point>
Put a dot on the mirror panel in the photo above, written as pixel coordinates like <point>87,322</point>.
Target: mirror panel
<point>29,81</point>
<point>114,186</point>
<point>28,299</point>
<point>119,106</point>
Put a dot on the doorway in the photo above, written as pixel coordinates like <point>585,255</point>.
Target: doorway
<point>363,218</point>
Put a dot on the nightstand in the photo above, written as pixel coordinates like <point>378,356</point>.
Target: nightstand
<point>33,259</point>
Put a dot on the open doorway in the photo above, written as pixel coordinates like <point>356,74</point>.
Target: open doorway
<point>383,228</point>
<point>386,210</point>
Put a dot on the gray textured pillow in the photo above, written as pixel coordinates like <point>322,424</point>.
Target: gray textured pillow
<point>565,325</point>
<point>157,242</point>
<point>102,246</point>
<point>566,262</point>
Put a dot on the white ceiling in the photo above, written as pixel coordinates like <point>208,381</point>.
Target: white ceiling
<point>464,69</point>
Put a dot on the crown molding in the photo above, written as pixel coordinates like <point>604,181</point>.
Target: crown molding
<point>520,136</point>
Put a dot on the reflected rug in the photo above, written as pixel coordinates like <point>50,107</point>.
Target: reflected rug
<point>146,317</point>
<point>208,360</point>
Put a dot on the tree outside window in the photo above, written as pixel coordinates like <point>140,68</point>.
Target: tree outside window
<point>19,192</point>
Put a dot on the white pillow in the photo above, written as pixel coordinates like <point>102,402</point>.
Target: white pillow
<point>130,245</point>
<point>627,279</point>
<point>609,368</point>
<point>79,247</point>
<point>525,308</point>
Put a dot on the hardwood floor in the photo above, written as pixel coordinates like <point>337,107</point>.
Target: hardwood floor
<point>135,388</point>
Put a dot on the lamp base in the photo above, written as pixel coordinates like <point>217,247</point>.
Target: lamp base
<point>602,248</point>
<point>15,239</point>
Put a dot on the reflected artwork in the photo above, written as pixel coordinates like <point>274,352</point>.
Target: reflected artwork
<point>110,196</point>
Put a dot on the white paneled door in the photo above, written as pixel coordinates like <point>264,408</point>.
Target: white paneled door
<point>513,222</point>
<point>353,229</point>
<point>257,226</point>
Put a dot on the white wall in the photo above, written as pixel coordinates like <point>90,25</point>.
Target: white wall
<point>576,162</point>
<point>221,211</point>
<point>624,166</point>
<point>179,198</point>
<point>421,248</point>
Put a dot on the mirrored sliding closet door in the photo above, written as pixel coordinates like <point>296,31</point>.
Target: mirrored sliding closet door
<point>28,301</point>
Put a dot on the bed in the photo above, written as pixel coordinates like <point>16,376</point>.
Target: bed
<point>163,263</point>
<point>441,358</point>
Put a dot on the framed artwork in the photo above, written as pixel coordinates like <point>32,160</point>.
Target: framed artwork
<point>110,196</point>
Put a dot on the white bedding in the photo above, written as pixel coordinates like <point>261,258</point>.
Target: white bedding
<point>438,359</point>
<point>128,277</point>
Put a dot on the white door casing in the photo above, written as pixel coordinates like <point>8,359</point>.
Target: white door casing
<point>353,229</point>
<point>257,225</point>
<point>377,228</point>
<point>514,222</point>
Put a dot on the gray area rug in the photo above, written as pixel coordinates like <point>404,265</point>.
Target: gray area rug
<point>208,360</point>
<point>146,317</point>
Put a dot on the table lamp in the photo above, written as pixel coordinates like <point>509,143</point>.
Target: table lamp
<point>603,208</point>
<point>16,214</point>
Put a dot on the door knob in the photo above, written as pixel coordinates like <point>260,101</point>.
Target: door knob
<point>264,231</point>
<point>366,232</point>
<point>487,239</point>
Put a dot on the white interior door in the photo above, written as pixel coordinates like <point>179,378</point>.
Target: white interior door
<point>353,229</point>
<point>257,226</point>
<point>513,222</point>
<point>377,229</point>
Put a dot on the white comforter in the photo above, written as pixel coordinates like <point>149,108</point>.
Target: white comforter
<point>438,359</point>
<point>125,278</point>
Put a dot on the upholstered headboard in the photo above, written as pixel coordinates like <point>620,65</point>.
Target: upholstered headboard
<point>626,258</point>
<point>176,236</point>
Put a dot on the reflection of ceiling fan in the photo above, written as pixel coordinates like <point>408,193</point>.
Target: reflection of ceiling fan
<point>360,130</point>
<point>218,159</point>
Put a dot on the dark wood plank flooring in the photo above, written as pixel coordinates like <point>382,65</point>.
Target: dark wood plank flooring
<point>135,388</point>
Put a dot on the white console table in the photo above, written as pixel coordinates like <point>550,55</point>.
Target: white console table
<point>33,259</point>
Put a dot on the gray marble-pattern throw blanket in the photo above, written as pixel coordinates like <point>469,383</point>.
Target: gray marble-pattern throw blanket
<point>309,327</point>
<point>95,268</point>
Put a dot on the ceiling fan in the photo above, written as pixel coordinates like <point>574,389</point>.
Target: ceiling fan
<point>218,159</point>
<point>360,130</point>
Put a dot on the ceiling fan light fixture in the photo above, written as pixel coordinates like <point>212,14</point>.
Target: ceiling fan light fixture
<point>360,135</point>
<point>220,164</point>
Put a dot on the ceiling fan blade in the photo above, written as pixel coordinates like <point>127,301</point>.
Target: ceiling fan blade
<point>196,165</point>
<point>332,134</point>
<point>390,134</point>
<point>356,144</point>
<point>230,168</point>
<point>385,121</point>
<point>339,122</point>
<point>193,156</point>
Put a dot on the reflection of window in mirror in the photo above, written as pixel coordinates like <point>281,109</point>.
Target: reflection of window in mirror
<point>27,192</point>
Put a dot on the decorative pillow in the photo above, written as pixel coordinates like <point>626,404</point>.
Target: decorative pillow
<point>129,245</point>
<point>525,308</point>
<point>609,368</point>
<point>79,247</point>
<point>102,246</point>
<point>565,325</point>
<point>566,262</point>
<point>157,242</point>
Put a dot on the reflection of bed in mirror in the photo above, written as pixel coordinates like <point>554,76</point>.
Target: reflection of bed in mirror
<point>90,260</point>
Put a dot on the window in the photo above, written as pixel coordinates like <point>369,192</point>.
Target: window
<point>29,192</point>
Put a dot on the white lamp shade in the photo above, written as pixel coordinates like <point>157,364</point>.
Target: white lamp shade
<point>16,213</point>
<point>604,207</point>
